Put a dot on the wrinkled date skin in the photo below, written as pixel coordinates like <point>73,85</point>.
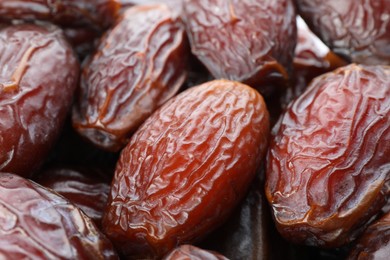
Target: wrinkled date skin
<point>38,224</point>
<point>82,40</point>
<point>193,253</point>
<point>138,66</point>
<point>358,30</point>
<point>96,13</point>
<point>38,76</point>
<point>87,188</point>
<point>328,163</point>
<point>249,41</point>
<point>186,168</point>
<point>375,241</point>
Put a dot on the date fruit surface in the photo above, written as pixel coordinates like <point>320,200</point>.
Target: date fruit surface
<point>249,41</point>
<point>138,66</point>
<point>95,13</point>
<point>38,76</point>
<point>186,168</point>
<point>328,163</point>
<point>38,224</point>
<point>375,241</point>
<point>193,253</point>
<point>358,30</point>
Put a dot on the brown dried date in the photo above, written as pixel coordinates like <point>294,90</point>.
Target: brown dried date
<point>96,13</point>
<point>38,224</point>
<point>38,76</point>
<point>358,30</point>
<point>193,253</point>
<point>249,41</point>
<point>138,66</point>
<point>87,188</point>
<point>186,168</point>
<point>328,163</point>
<point>375,241</point>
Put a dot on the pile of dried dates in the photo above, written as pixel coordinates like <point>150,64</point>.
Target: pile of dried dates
<point>195,129</point>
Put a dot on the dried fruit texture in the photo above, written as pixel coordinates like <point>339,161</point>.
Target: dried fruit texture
<point>312,58</point>
<point>245,40</point>
<point>96,13</point>
<point>186,168</point>
<point>358,30</point>
<point>87,188</point>
<point>138,66</point>
<point>375,241</point>
<point>193,253</point>
<point>38,224</point>
<point>38,76</point>
<point>328,164</point>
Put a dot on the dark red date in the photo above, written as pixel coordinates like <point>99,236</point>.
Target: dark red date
<point>139,65</point>
<point>38,224</point>
<point>193,252</point>
<point>328,163</point>
<point>38,76</point>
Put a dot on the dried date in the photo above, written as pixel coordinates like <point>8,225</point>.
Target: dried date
<point>138,66</point>
<point>358,30</point>
<point>186,168</point>
<point>38,76</point>
<point>39,224</point>
<point>194,253</point>
<point>245,40</point>
<point>328,164</point>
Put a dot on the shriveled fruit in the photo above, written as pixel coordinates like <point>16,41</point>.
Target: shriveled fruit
<point>375,241</point>
<point>250,41</point>
<point>328,164</point>
<point>194,253</point>
<point>96,13</point>
<point>87,188</point>
<point>38,224</point>
<point>138,66</point>
<point>38,76</point>
<point>359,30</point>
<point>186,168</point>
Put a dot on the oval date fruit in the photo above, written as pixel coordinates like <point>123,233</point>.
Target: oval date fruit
<point>375,241</point>
<point>96,13</point>
<point>138,66</point>
<point>38,76</point>
<point>186,168</point>
<point>87,188</point>
<point>328,164</point>
<point>250,41</point>
<point>359,30</point>
<point>39,224</point>
<point>193,253</point>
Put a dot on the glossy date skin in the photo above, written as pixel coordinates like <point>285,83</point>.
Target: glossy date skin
<point>328,162</point>
<point>39,224</point>
<point>193,253</point>
<point>38,76</point>
<point>139,65</point>
<point>94,13</point>
<point>244,40</point>
<point>186,168</point>
<point>87,188</point>
<point>375,241</point>
<point>358,30</point>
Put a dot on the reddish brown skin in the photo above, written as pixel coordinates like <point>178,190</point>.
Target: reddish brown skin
<point>83,40</point>
<point>139,65</point>
<point>249,41</point>
<point>375,241</point>
<point>93,13</point>
<point>87,188</point>
<point>328,162</point>
<point>186,252</point>
<point>39,224</point>
<point>186,168</point>
<point>358,30</point>
<point>38,76</point>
